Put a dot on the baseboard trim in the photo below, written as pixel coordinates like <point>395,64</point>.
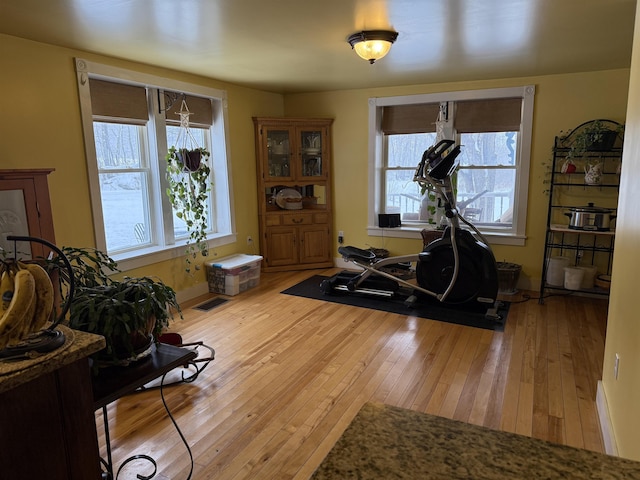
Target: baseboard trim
<point>609,439</point>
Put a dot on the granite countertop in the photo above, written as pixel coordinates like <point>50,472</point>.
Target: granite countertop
<point>384,442</point>
<point>77,345</point>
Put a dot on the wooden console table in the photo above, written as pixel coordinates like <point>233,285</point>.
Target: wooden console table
<point>47,421</point>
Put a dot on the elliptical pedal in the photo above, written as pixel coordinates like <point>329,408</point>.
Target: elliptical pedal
<point>492,313</point>
<point>410,301</point>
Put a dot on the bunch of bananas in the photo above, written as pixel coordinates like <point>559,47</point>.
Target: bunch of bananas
<point>26,301</point>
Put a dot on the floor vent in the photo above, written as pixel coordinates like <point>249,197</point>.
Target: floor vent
<point>209,304</point>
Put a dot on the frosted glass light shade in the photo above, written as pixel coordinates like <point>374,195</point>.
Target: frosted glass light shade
<point>372,50</point>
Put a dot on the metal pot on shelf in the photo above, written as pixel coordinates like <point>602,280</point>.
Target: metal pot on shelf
<point>590,218</point>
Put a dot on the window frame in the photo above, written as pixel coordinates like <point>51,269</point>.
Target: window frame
<point>514,236</point>
<point>145,168</point>
<point>164,246</point>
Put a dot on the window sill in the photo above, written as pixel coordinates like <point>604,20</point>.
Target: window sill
<point>494,238</point>
<point>146,256</point>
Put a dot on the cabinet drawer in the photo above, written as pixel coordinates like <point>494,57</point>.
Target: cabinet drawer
<point>273,220</point>
<point>298,219</point>
<point>321,217</point>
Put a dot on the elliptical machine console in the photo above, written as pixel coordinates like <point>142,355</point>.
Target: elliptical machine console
<point>457,269</point>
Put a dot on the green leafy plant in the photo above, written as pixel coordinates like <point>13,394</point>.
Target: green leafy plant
<point>593,136</point>
<point>430,202</point>
<point>130,313</point>
<point>430,197</point>
<point>188,190</point>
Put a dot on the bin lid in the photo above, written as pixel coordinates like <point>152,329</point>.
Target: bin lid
<point>234,261</point>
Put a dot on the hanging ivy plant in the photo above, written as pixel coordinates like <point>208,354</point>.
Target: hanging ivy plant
<point>188,192</point>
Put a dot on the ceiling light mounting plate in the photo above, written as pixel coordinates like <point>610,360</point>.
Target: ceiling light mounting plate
<point>372,45</point>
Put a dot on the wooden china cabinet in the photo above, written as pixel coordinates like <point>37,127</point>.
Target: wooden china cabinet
<point>294,192</point>
<point>25,210</point>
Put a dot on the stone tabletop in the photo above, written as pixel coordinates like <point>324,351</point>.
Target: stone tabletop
<point>77,345</point>
<point>385,442</point>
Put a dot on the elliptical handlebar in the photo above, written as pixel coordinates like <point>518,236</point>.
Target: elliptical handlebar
<point>442,162</point>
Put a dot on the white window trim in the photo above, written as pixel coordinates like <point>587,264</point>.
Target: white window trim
<point>376,159</point>
<point>141,257</point>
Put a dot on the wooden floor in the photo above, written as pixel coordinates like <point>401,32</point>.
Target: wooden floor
<point>290,374</point>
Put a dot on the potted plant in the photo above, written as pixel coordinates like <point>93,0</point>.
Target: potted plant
<point>593,136</point>
<point>190,159</point>
<point>188,177</point>
<point>130,314</point>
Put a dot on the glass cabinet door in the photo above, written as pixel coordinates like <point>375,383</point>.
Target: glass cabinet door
<point>311,150</point>
<point>278,153</point>
<point>25,210</point>
<point>13,221</point>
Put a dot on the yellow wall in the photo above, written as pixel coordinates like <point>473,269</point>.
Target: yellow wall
<point>561,103</point>
<point>623,328</point>
<point>40,127</point>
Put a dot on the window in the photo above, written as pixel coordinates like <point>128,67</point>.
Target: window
<point>402,194</point>
<point>494,129</point>
<point>125,178</point>
<point>128,126</point>
<point>486,179</point>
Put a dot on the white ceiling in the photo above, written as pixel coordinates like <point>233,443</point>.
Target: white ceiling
<point>300,45</point>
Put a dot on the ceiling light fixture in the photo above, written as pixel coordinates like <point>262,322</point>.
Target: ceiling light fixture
<point>372,45</point>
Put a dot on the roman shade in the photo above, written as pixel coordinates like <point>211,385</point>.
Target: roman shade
<point>414,118</point>
<point>118,100</point>
<point>488,115</point>
<point>199,107</point>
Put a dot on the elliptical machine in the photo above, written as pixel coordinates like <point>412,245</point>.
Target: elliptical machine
<point>456,269</point>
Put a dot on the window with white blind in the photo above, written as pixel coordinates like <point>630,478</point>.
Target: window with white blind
<point>128,126</point>
<point>494,129</point>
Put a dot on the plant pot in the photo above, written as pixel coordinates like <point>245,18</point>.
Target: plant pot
<point>126,351</point>
<point>190,159</point>
<point>601,141</point>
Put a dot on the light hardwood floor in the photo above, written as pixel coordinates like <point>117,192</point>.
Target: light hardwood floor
<point>290,374</point>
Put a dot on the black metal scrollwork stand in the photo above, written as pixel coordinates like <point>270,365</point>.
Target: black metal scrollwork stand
<point>108,464</point>
<point>115,382</point>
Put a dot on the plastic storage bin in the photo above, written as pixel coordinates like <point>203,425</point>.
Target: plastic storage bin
<point>234,274</point>
<point>555,270</point>
<point>589,276</point>
<point>573,278</point>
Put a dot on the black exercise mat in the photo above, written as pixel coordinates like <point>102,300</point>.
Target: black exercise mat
<point>310,288</point>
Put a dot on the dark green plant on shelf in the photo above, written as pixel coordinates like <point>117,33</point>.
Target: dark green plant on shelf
<point>130,313</point>
<point>593,136</point>
<point>188,192</point>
